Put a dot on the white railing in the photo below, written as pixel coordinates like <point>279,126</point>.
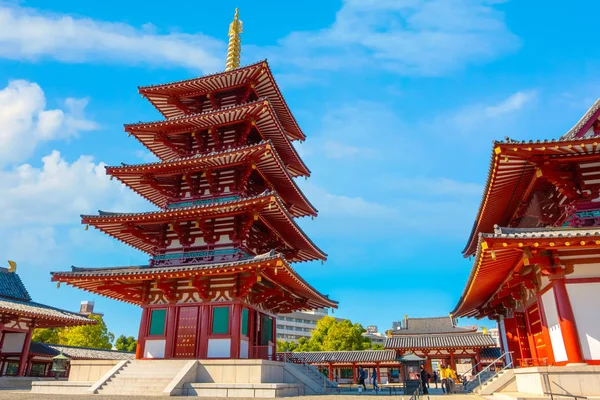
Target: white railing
<point>486,374</point>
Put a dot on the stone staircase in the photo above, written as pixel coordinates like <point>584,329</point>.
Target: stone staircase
<point>504,381</point>
<point>314,381</point>
<point>142,377</point>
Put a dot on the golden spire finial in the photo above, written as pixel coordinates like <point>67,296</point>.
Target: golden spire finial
<point>12,266</point>
<point>235,44</point>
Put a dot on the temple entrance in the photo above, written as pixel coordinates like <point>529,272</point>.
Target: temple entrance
<point>537,344</point>
<point>187,328</point>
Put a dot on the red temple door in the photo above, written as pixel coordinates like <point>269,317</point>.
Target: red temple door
<point>522,334</point>
<point>187,328</point>
<point>536,331</point>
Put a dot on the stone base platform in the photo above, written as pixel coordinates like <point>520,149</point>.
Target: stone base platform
<point>60,387</point>
<point>246,390</point>
<point>198,378</point>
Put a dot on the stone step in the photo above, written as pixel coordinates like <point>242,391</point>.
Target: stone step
<point>138,380</point>
<point>157,386</point>
<point>130,393</point>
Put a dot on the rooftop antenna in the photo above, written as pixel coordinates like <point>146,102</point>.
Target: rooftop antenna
<point>234,48</point>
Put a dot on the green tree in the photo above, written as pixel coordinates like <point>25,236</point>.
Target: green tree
<point>94,336</point>
<point>128,343</point>
<point>377,346</point>
<point>45,335</point>
<point>333,335</point>
<point>285,347</point>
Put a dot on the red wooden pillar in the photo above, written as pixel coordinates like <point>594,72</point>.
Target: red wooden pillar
<point>139,348</point>
<point>549,352</point>
<point>330,371</point>
<point>274,336</point>
<point>530,338</point>
<point>354,373</point>
<point>202,344</point>
<point>24,353</point>
<point>236,316</point>
<point>378,374</point>
<point>452,364</point>
<point>171,335</point>
<point>567,321</point>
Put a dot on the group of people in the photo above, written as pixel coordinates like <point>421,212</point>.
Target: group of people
<point>363,376</point>
<point>447,376</point>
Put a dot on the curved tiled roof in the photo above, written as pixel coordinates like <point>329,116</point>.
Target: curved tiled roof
<point>418,326</point>
<point>78,353</point>
<point>490,353</point>
<point>439,341</point>
<point>315,357</point>
<point>50,315</point>
<point>12,287</point>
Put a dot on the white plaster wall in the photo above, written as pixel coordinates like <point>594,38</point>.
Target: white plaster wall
<point>219,348</point>
<point>558,345</point>
<point>243,348</point>
<point>585,271</point>
<point>585,298</point>
<point>154,349</point>
<point>13,342</point>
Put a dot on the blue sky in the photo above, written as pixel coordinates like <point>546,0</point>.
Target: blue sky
<point>399,99</point>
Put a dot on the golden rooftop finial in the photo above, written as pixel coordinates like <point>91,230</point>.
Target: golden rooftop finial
<point>12,266</point>
<point>235,44</point>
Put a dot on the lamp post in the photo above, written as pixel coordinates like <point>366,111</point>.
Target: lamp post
<point>59,364</point>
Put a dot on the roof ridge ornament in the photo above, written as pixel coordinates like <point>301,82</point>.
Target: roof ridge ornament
<point>234,48</point>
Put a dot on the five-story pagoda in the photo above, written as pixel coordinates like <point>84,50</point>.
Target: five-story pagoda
<point>223,240</point>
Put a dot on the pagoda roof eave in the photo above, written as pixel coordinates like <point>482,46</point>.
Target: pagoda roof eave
<point>91,279</point>
<point>45,316</point>
<point>269,206</point>
<point>510,174</point>
<point>265,164</point>
<point>267,124</point>
<point>266,86</point>
<point>500,252</point>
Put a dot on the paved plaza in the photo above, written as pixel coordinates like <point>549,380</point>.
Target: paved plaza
<point>23,395</point>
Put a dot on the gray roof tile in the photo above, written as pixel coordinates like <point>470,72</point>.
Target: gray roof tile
<point>444,341</point>
<point>417,326</point>
<point>78,353</point>
<point>314,357</point>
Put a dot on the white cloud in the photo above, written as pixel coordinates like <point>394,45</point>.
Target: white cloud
<point>513,103</point>
<point>334,206</point>
<point>29,34</point>
<point>339,150</point>
<point>478,116</point>
<point>24,120</point>
<point>58,192</point>
<point>412,37</point>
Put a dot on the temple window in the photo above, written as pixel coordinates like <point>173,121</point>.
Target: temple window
<point>157,322</point>
<point>267,330</point>
<point>244,327</point>
<point>220,321</point>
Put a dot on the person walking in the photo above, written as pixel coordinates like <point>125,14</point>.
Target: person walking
<point>424,374</point>
<point>443,377</point>
<point>374,378</point>
<point>435,378</point>
<point>362,375</point>
<point>451,375</point>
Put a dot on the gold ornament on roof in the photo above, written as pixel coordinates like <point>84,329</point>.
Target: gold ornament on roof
<point>234,48</point>
<point>12,266</point>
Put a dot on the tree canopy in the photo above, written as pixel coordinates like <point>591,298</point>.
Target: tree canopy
<point>331,335</point>
<point>126,343</point>
<point>93,336</point>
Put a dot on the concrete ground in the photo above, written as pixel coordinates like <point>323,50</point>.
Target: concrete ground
<point>23,395</point>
